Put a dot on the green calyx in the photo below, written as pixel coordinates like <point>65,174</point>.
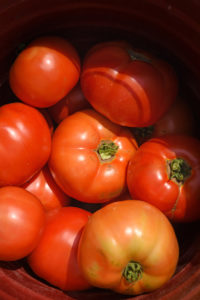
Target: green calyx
<point>134,55</point>
<point>107,150</point>
<point>133,272</point>
<point>180,170</point>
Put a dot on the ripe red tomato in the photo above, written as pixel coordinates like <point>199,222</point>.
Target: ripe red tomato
<point>165,172</point>
<point>128,86</point>
<point>22,220</point>
<point>43,186</point>
<point>72,102</point>
<point>25,143</point>
<point>45,71</point>
<point>89,156</point>
<point>179,119</point>
<point>129,247</point>
<point>55,257</point>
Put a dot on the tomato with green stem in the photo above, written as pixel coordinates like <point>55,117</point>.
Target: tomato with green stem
<point>132,248</point>
<point>165,172</point>
<point>129,86</point>
<point>89,156</point>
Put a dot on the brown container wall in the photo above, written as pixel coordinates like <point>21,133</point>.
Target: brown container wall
<point>170,29</point>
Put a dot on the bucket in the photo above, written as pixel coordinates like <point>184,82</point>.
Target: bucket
<point>170,30</point>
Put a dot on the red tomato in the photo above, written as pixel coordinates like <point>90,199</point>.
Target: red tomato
<point>22,220</point>
<point>72,102</point>
<point>128,86</point>
<point>43,186</point>
<point>45,71</point>
<point>129,247</point>
<point>90,155</point>
<point>165,172</point>
<point>55,257</point>
<point>25,143</point>
<point>179,119</point>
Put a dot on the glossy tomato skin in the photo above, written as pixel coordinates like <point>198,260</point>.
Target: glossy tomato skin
<point>25,143</point>
<point>22,220</point>
<point>149,178</point>
<point>55,257</point>
<point>127,85</point>
<point>43,186</point>
<point>76,165</point>
<point>45,71</point>
<point>72,102</point>
<point>123,232</point>
<point>179,119</point>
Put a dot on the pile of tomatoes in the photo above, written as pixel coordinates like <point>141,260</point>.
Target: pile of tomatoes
<point>109,131</point>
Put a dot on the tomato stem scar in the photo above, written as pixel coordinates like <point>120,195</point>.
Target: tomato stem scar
<point>180,170</point>
<point>107,150</point>
<point>133,272</point>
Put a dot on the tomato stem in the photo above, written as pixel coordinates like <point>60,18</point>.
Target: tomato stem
<point>133,272</point>
<point>107,150</point>
<point>134,55</point>
<point>180,170</point>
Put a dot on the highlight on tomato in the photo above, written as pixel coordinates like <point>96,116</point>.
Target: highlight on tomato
<point>45,71</point>
<point>72,102</point>
<point>165,172</point>
<point>129,247</point>
<point>179,119</point>
<point>55,257</point>
<point>25,143</point>
<point>90,155</point>
<point>44,187</point>
<point>129,86</point>
<point>22,220</point>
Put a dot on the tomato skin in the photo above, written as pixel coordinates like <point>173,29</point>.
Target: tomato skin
<point>148,176</point>
<point>127,85</point>
<point>43,186</point>
<point>22,220</point>
<point>45,71</point>
<point>127,231</point>
<point>72,102</point>
<point>179,119</point>
<point>55,257</point>
<point>25,143</point>
<point>76,165</point>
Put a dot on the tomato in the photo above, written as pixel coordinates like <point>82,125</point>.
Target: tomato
<point>128,86</point>
<point>43,186</point>
<point>72,102</point>
<point>89,157</point>
<point>25,143</point>
<point>132,248</point>
<point>179,119</point>
<point>55,257</point>
<point>22,220</point>
<point>165,172</point>
<point>45,71</point>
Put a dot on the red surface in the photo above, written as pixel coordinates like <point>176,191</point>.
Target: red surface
<point>171,29</point>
